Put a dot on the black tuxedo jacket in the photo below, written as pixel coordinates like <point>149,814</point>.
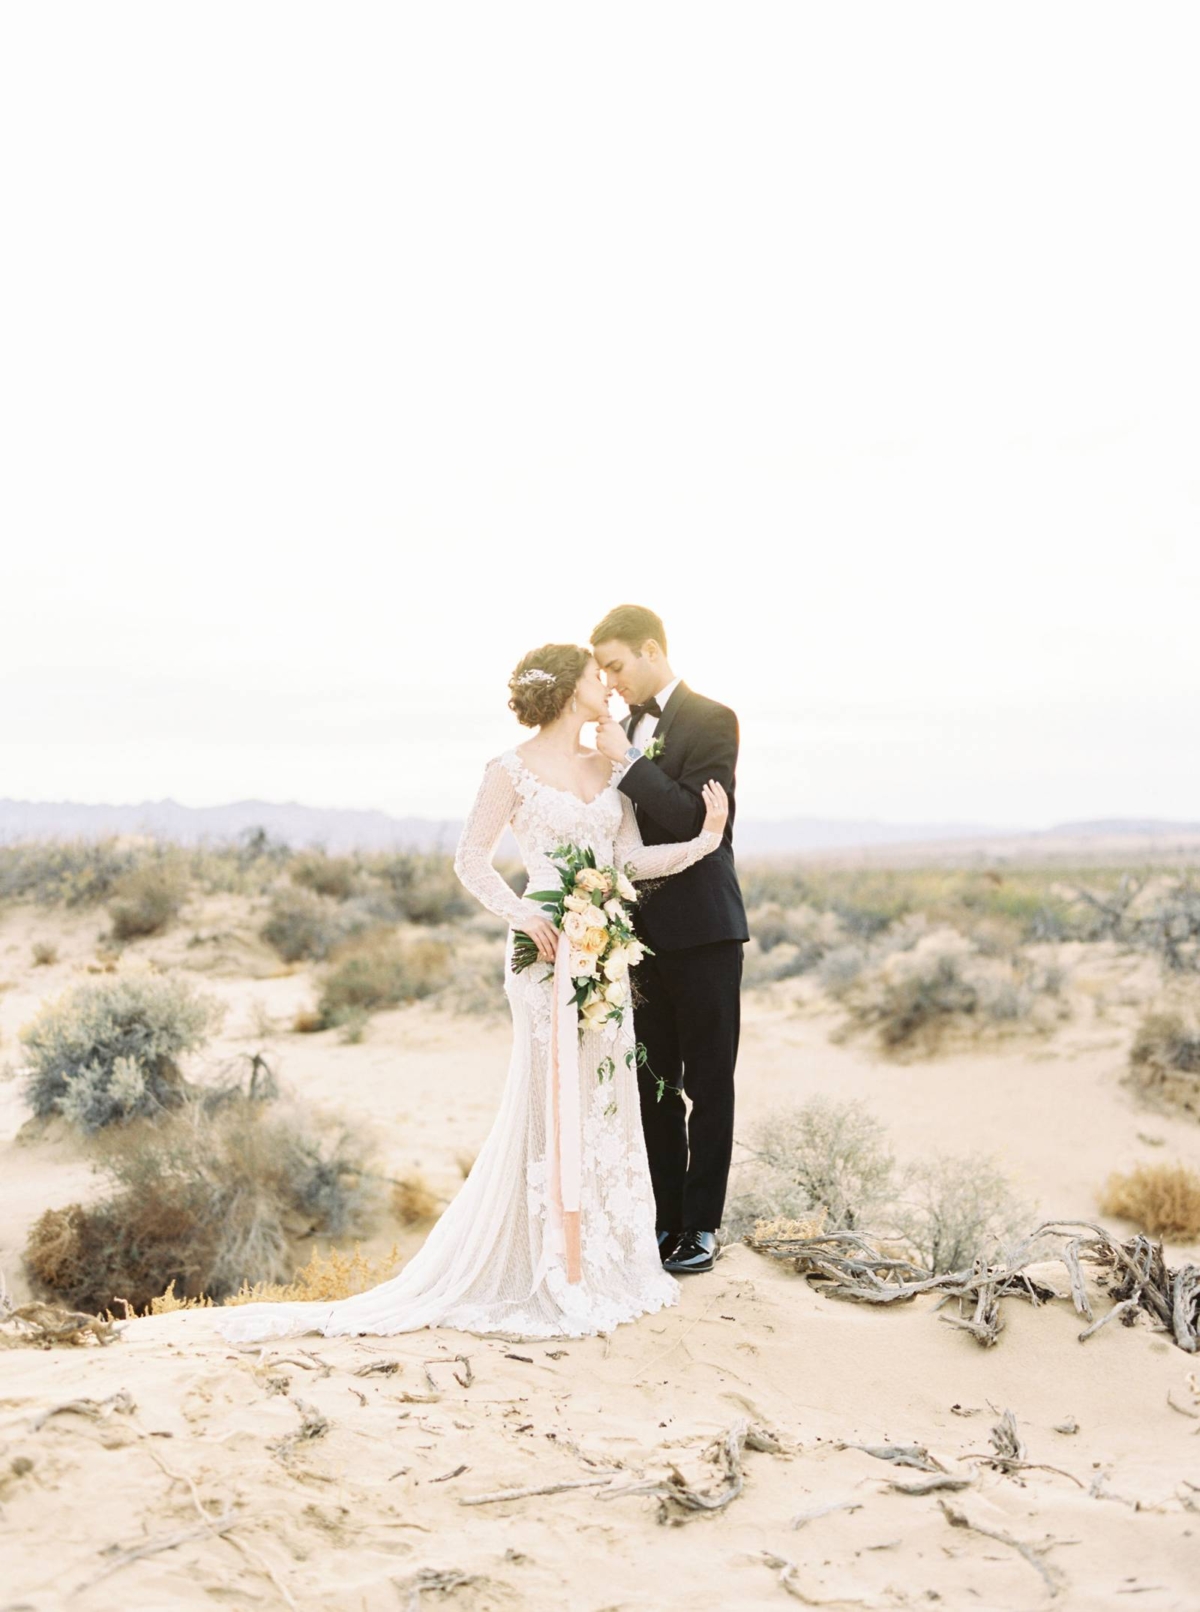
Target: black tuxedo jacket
<point>704,902</point>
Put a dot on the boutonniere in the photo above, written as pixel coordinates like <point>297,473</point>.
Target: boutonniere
<point>654,748</point>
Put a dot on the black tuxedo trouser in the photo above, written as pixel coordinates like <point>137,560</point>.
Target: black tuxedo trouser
<point>688,1019</point>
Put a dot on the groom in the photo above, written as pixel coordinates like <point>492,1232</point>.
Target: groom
<point>689,1015</point>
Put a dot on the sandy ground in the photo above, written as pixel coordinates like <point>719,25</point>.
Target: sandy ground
<point>198,1460</point>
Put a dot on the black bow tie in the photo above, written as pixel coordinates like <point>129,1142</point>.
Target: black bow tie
<point>637,712</point>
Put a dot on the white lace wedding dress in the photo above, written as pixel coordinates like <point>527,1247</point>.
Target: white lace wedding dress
<point>496,1262</point>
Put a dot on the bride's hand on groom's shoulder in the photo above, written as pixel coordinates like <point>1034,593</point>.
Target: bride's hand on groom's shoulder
<point>610,739</point>
<point>716,803</point>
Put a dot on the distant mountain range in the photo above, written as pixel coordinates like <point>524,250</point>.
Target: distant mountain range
<point>342,829</point>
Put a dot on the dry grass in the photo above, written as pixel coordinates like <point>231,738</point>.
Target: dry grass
<point>1163,1199</point>
<point>45,952</point>
<point>331,1276</point>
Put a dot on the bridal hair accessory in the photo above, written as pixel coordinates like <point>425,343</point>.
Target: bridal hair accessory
<point>535,675</point>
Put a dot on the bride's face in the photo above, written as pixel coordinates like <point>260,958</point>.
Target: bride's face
<point>592,693</point>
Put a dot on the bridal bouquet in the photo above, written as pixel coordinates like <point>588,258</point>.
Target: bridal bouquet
<point>591,908</point>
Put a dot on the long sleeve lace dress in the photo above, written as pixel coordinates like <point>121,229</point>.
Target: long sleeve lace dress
<point>495,1262</point>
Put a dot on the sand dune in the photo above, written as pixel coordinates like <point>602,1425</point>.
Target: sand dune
<point>195,1475</point>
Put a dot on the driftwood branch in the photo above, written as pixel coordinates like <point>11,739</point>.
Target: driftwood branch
<point>789,1581</point>
<point>678,1499</point>
<point>848,1266</point>
<point>541,1488</point>
<point>959,1519</point>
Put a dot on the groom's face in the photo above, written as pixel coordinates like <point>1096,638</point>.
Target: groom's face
<point>632,673</point>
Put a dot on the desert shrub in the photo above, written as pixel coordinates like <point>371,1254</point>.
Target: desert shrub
<point>840,968</point>
<point>335,876</point>
<point>1030,904</point>
<point>414,1202</point>
<point>207,1198</point>
<point>768,925</point>
<point>1163,1199</point>
<point>421,887</point>
<point>476,983</point>
<point>918,1002</point>
<point>45,952</point>
<point>382,970</point>
<point>784,961</point>
<point>949,1208</point>
<point>1164,1061</point>
<point>147,898</point>
<point>799,928</point>
<point>1171,928</point>
<point>108,1051</point>
<point>75,873</point>
<point>912,997</point>
<point>302,924</point>
<point>824,1154</point>
<point>248,865</point>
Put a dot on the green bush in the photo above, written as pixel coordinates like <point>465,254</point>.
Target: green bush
<point>105,1052</point>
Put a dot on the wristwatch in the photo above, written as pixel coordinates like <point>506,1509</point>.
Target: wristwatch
<point>633,753</point>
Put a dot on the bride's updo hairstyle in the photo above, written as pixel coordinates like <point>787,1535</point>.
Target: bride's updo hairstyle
<point>544,681</point>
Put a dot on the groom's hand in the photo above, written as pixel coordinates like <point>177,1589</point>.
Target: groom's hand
<point>611,740</point>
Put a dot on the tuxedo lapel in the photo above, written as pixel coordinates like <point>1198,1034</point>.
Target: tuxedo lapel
<point>671,711</point>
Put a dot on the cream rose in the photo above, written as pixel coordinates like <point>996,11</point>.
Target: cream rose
<point>590,879</point>
<point>577,903</point>
<point>625,889</point>
<point>595,918</point>
<point>616,911</point>
<point>594,941</point>
<point>583,963</point>
<point>595,1014</point>
<point>634,953</point>
<point>575,926</point>
<point>616,993</point>
<point>616,964</point>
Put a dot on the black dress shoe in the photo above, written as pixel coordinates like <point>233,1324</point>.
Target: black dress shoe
<point>695,1251</point>
<point>666,1243</point>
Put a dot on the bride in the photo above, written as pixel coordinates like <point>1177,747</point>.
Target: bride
<point>553,1232</point>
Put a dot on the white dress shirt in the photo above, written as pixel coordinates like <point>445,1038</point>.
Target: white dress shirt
<point>648,725</point>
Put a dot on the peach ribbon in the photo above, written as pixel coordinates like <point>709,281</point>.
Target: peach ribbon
<point>564,1138</point>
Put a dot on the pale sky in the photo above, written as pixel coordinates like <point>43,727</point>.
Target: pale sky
<point>348,352</point>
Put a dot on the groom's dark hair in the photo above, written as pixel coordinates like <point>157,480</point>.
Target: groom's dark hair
<point>632,625</point>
